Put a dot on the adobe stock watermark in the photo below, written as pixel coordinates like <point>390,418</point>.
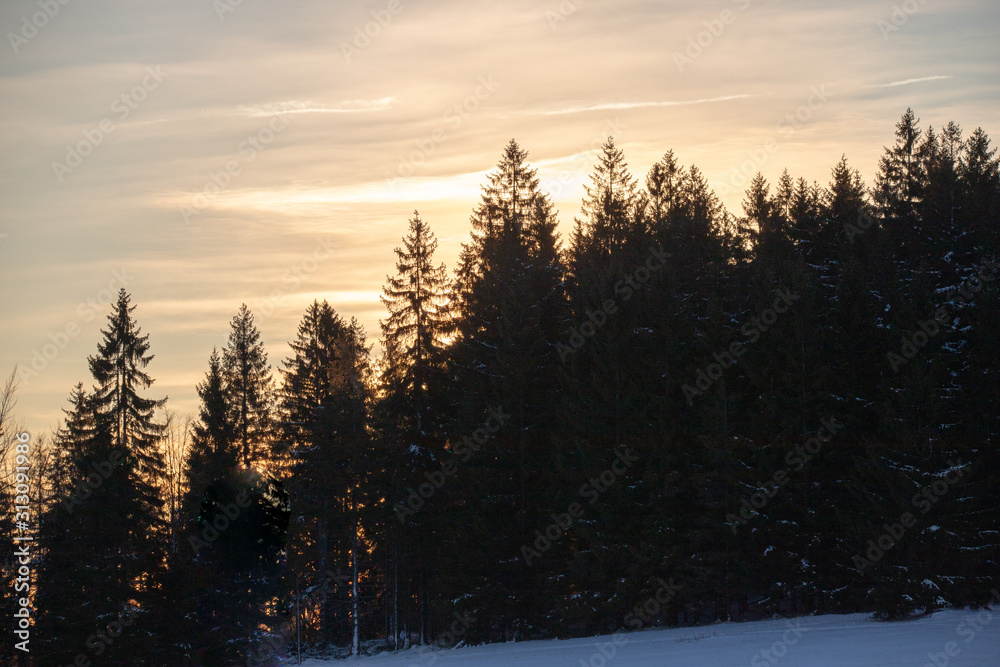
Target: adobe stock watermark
<point>917,340</point>
<point>785,127</point>
<point>604,653</point>
<point>898,18</point>
<point>30,27</point>
<point>562,12</point>
<point>581,159</point>
<point>294,276</point>
<point>60,339</point>
<point>448,637</point>
<point>464,450</point>
<point>641,615</point>
<point>85,486</point>
<point>703,40</point>
<point>726,359</point>
<point>451,120</point>
<point>363,36</point>
<point>223,7</point>
<point>924,500</point>
<point>100,641</point>
<point>852,230</point>
<point>122,107</point>
<point>220,180</point>
<point>625,289</point>
<point>314,596</point>
<point>21,488</point>
<point>796,459</point>
<point>773,654</point>
<point>592,490</point>
<point>968,630</point>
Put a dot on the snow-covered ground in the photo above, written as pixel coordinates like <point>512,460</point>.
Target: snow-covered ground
<point>955,638</point>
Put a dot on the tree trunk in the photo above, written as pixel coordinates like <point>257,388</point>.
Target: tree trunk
<point>356,641</point>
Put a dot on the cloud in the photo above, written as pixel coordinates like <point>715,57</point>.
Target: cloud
<point>293,106</point>
<point>306,199</point>
<point>631,105</point>
<point>906,82</point>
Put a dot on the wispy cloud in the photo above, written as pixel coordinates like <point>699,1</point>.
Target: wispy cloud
<point>906,82</point>
<point>616,106</point>
<point>297,106</point>
<point>304,199</point>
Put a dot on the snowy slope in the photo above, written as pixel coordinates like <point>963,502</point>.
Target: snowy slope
<point>818,641</point>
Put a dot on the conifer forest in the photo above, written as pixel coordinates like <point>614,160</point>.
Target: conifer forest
<point>673,414</point>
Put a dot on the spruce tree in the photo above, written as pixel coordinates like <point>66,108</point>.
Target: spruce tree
<point>511,305</point>
<point>609,243</point>
<point>979,243</point>
<point>414,334</point>
<point>510,298</point>
<point>611,210</point>
<point>236,517</point>
<point>325,429</point>
<point>128,418</point>
<point>413,408</point>
<point>249,387</point>
<point>105,544</point>
<point>74,564</point>
<point>213,442</point>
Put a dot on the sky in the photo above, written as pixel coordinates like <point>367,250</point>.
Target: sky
<point>208,153</point>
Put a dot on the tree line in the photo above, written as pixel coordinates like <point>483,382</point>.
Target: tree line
<point>791,410</point>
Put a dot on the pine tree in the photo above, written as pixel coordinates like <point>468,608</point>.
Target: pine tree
<point>979,243</point>
<point>325,432</point>
<point>213,443</point>
<point>71,566</point>
<point>610,242</point>
<point>118,370</point>
<point>766,216</point>
<point>414,407</point>
<point>129,419</point>
<point>236,517</point>
<point>307,381</point>
<point>664,184</point>
<point>979,195</point>
<point>105,545</point>
<point>846,247</point>
<point>510,299</point>
<point>511,305</point>
<point>611,210</point>
<point>415,332</point>
<point>249,387</point>
<point>899,187</point>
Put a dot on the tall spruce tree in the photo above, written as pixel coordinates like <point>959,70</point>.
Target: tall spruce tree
<point>413,406</point>
<point>414,334</point>
<point>235,510</point>
<point>118,369</point>
<point>511,305</point>
<point>979,243</point>
<point>106,543</point>
<point>609,243</point>
<point>611,211</point>
<point>249,387</point>
<point>510,297</point>
<point>324,410</point>
<point>214,448</point>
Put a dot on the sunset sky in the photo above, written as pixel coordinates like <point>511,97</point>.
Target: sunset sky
<point>325,124</point>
